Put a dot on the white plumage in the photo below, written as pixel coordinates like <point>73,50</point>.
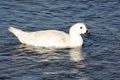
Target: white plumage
<point>52,38</point>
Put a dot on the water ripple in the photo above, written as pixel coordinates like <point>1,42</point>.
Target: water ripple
<point>100,52</point>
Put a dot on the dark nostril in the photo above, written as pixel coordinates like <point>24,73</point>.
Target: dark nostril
<point>87,33</point>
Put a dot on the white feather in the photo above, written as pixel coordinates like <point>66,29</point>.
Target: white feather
<point>52,38</point>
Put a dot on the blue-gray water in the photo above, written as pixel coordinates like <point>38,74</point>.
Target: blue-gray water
<point>102,49</point>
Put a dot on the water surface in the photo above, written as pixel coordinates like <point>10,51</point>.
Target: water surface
<point>101,50</point>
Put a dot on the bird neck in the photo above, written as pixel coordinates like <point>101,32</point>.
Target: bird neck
<point>75,39</point>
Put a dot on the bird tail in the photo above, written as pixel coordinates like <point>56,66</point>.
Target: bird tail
<point>15,31</point>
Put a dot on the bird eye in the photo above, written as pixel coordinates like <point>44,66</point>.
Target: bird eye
<point>80,27</point>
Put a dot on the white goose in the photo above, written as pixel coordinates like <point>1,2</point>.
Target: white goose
<point>52,38</point>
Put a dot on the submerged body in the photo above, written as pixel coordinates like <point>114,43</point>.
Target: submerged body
<point>50,38</point>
